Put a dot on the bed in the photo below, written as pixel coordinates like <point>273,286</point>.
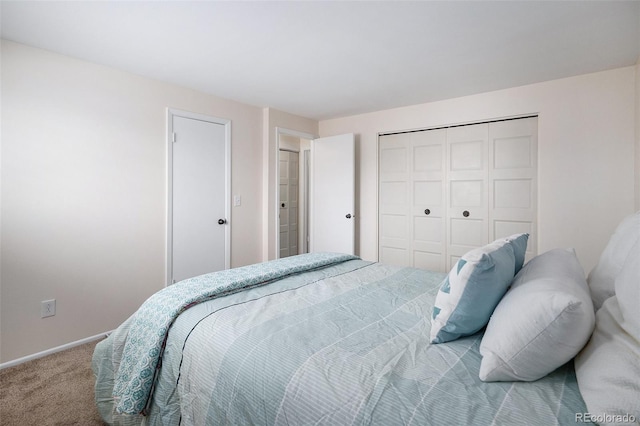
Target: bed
<point>332,339</point>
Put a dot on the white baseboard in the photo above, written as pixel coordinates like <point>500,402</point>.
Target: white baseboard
<point>54,350</point>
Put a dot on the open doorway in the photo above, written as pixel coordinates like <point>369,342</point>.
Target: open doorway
<point>292,194</point>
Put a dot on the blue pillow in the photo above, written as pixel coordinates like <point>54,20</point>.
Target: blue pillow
<point>519,244</point>
<point>472,290</point>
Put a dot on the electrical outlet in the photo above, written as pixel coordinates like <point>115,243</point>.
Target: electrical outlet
<point>48,308</point>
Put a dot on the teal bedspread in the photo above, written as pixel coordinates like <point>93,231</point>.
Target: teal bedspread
<point>150,324</point>
<point>342,344</point>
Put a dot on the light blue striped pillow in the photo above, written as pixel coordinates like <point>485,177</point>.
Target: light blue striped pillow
<point>472,290</point>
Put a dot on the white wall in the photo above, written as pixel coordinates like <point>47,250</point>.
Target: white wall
<point>84,193</point>
<point>585,147</point>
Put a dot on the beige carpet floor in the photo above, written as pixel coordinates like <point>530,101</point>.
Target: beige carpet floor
<point>53,390</point>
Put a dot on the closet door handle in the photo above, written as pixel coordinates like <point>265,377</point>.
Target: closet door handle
<point>465,213</point>
<point>427,212</point>
<point>222,221</point>
<point>348,216</point>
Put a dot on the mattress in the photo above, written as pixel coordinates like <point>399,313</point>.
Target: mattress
<point>344,344</point>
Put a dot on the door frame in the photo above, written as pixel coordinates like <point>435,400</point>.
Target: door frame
<point>301,135</point>
<point>171,113</point>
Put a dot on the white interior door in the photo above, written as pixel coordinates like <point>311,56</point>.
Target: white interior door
<point>199,197</point>
<point>332,201</point>
<point>288,210</point>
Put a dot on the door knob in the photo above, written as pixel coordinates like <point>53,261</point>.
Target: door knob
<point>465,213</point>
<point>222,221</point>
<point>348,216</point>
<point>427,212</point>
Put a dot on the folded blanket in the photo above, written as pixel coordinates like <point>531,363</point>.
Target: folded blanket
<point>150,324</point>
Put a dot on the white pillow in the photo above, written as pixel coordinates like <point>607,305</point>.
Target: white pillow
<point>471,291</point>
<point>627,287</point>
<point>608,369</point>
<point>602,277</point>
<point>541,323</point>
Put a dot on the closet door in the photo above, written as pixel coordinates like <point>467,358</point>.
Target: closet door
<point>444,192</point>
<point>394,235</point>
<point>428,199</point>
<point>467,190</point>
<point>513,179</point>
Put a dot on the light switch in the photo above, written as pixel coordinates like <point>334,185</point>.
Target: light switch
<point>237,200</point>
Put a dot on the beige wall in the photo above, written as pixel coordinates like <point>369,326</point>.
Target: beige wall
<point>84,193</point>
<point>84,174</point>
<point>585,147</point>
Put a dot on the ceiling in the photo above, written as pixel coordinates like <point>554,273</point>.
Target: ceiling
<point>336,58</point>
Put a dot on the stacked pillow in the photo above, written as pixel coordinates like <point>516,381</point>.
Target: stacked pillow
<point>547,316</point>
<point>541,323</point>
<point>473,288</point>
<point>602,278</point>
<point>608,368</point>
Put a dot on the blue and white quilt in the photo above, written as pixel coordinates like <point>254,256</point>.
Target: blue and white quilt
<point>326,339</point>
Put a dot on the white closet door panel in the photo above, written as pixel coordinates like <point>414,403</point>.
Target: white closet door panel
<point>429,242</point>
<point>467,155</point>
<point>428,151</point>
<point>428,199</point>
<point>394,157</point>
<point>513,179</point>
<point>394,235</point>
<point>513,194</point>
<point>467,190</point>
<point>394,200</point>
<point>394,170</point>
<point>466,194</point>
<point>394,256</point>
<point>394,194</point>
<point>428,194</point>
<point>468,233</point>
<point>512,152</point>
<point>393,221</point>
<point>429,261</point>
